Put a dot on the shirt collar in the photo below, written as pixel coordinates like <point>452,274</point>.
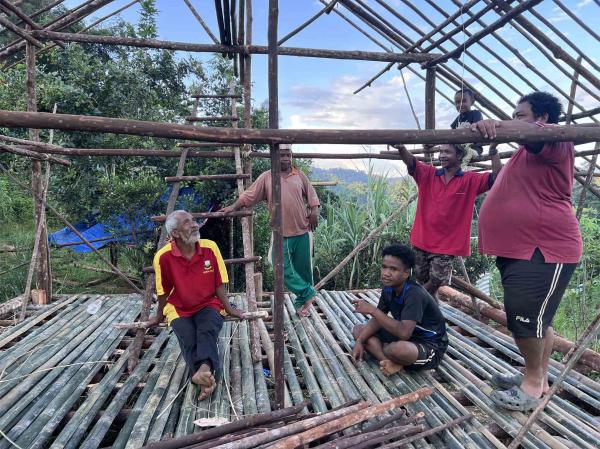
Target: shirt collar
<point>177,252</point>
<point>441,171</point>
<point>293,171</point>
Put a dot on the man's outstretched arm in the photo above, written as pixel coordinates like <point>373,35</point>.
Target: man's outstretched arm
<point>407,157</point>
<point>159,317</point>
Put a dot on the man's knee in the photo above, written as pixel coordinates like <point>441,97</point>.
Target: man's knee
<point>357,329</point>
<point>401,351</point>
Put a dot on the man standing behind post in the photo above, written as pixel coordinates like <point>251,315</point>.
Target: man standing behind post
<point>442,227</point>
<point>300,216</point>
<point>190,273</point>
<point>527,222</point>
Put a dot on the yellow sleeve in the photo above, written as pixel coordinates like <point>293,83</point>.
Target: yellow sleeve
<point>204,243</point>
<point>157,271</point>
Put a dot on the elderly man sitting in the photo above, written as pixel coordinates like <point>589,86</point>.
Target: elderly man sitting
<point>190,273</point>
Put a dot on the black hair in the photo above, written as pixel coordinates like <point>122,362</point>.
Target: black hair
<point>543,103</point>
<point>460,151</point>
<point>466,91</point>
<point>402,252</point>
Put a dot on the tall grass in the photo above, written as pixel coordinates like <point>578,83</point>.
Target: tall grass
<point>348,221</point>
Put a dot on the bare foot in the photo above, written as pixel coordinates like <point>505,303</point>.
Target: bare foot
<point>545,387</point>
<point>388,367</point>
<point>207,390</point>
<point>203,376</point>
<point>304,311</point>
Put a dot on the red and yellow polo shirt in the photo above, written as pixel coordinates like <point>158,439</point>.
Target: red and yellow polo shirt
<point>190,284</point>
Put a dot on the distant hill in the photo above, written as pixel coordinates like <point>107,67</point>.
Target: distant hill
<point>346,178</point>
<point>344,175</point>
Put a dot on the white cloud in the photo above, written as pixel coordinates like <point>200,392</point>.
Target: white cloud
<point>382,106</point>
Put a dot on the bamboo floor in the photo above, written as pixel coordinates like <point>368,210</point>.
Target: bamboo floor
<point>63,380</point>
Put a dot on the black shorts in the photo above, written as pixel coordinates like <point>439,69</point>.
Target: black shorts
<point>430,353</point>
<point>533,290</point>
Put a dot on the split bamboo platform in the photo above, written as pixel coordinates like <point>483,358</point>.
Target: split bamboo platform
<point>64,384</point>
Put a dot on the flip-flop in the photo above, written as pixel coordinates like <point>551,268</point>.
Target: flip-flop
<point>506,381</point>
<point>514,399</point>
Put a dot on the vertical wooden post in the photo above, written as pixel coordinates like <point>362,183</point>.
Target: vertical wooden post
<point>276,219</point>
<point>430,103</point>
<point>430,98</point>
<point>42,263</point>
<point>248,249</point>
<point>569,113</point>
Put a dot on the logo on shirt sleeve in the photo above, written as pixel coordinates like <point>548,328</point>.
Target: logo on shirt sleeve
<point>208,266</point>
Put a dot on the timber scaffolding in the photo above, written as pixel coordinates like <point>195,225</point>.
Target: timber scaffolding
<point>468,365</point>
<point>65,385</point>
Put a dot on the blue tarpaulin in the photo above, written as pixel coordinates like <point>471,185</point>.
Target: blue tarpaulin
<point>118,229</point>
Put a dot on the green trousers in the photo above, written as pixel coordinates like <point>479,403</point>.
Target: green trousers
<point>297,268</point>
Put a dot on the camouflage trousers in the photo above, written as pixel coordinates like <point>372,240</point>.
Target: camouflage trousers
<point>436,268</point>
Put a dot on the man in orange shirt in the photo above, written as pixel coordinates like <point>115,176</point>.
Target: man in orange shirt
<point>190,273</point>
<point>300,216</point>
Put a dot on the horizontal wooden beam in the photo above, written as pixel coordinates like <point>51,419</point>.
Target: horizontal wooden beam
<point>206,177</point>
<point>235,214</point>
<point>229,118</point>
<point>251,49</point>
<point>198,95</point>
<point>239,260</point>
<point>204,145</point>
<point>34,155</point>
<point>324,183</point>
<point>581,115</point>
<point>44,120</point>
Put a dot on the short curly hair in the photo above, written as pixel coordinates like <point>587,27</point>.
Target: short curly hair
<point>402,252</point>
<point>543,103</point>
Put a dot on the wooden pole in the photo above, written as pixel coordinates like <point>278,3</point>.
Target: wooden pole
<point>556,49</point>
<point>15,119</point>
<point>430,98</point>
<point>42,269</point>
<point>253,49</point>
<point>247,246</point>
<point>511,14</point>
<point>588,180</point>
<point>277,218</point>
<point>326,10</point>
<point>201,22</point>
<point>569,114</point>
<point>69,18</point>
<point>36,247</point>
<point>19,31</point>
<point>363,244</point>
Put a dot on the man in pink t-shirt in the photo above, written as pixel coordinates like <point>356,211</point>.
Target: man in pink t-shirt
<point>527,222</point>
<point>300,216</point>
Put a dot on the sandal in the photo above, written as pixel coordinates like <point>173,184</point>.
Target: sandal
<point>506,381</point>
<point>514,399</point>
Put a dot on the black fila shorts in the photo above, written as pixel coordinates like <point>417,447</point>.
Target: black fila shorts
<point>533,290</point>
<point>430,352</point>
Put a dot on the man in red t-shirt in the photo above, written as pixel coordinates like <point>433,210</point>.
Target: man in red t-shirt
<point>190,273</point>
<point>442,227</point>
<point>527,222</point>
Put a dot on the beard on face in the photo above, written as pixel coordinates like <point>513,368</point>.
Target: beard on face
<point>192,238</point>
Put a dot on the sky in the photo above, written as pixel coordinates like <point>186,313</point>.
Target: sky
<point>318,93</point>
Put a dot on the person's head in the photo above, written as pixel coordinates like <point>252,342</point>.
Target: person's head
<point>538,107</point>
<point>182,227</point>
<point>451,155</point>
<point>396,265</point>
<point>285,155</point>
<point>464,99</point>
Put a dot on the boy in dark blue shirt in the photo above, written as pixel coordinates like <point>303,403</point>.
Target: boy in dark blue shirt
<point>414,336</point>
<point>463,100</point>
